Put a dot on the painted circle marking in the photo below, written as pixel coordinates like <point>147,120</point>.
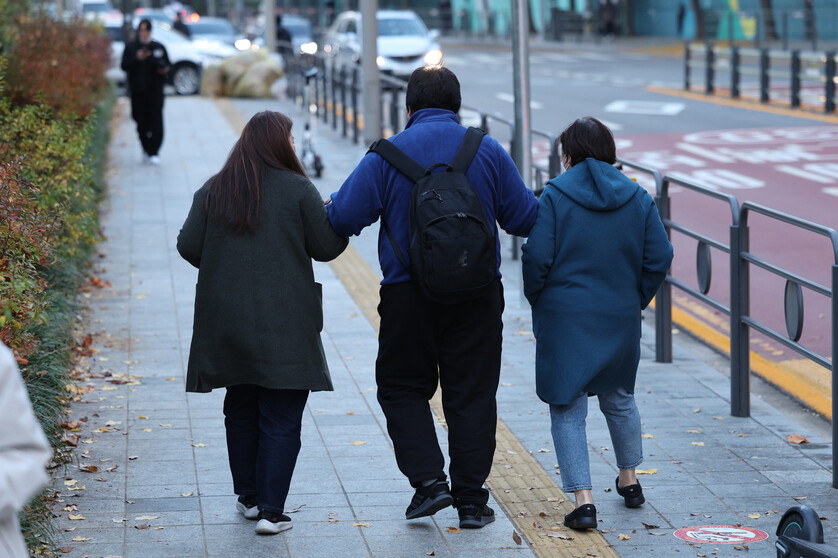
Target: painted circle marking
<point>720,534</point>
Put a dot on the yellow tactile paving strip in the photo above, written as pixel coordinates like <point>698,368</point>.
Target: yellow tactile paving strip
<point>527,493</point>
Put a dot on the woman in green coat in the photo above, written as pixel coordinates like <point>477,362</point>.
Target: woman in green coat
<point>252,232</point>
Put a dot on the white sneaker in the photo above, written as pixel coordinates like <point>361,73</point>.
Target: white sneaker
<point>154,160</point>
<point>248,513</point>
<point>268,527</point>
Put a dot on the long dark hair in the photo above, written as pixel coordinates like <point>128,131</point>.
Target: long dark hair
<point>237,188</point>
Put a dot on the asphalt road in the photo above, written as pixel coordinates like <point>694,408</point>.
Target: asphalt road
<point>784,162</point>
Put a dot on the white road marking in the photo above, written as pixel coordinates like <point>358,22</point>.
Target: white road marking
<point>645,107</point>
<point>702,152</point>
<point>535,105</point>
<point>831,191</point>
<point>808,175</point>
<point>613,125</point>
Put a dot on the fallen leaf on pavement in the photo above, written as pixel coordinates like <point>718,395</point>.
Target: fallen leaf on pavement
<point>543,450</point>
<point>698,443</point>
<point>656,533</point>
<point>132,457</point>
<point>65,549</point>
<point>142,417</point>
<point>159,527</point>
<point>171,379</point>
<point>430,553</point>
<point>146,517</point>
<point>718,418</point>
<point>199,445</point>
<point>516,537</point>
<point>556,535</point>
<point>453,530</point>
<point>79,539</point>
<point>76,517</point>
<point>360,524</point>
<point>112,469</point>
<point>71,482</point>
<point>623,537</point>
<point>358,443</point>
<point>646,471</point>
<point>89,468</point>
<point>119,520</point>
<point>647,526</point>
<point>142,526</point>
<point>797,439</point>
<point>694,431</point>
<point>697,410</point>
<point>147,430</point>
<point>799,497</point>
<point>648,436</point>
<point>187,494</point>
<point>295,510</point>
<point>754,515</point>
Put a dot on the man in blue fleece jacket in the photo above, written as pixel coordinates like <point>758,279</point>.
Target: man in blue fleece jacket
<point>421,343</point>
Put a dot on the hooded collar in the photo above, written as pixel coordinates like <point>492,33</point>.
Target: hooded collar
<point>596,185</point>
<point>432,115</point>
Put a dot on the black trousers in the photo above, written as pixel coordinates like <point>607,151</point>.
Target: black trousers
<point>263,441</point>
<point>147,111</point>
<point>458,347</point>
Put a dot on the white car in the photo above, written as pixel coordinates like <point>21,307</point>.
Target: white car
<point>187,58</point>
<point>404,42</point>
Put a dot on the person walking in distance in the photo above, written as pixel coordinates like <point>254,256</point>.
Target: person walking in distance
<point>180,26</point>
<point>252,232</point>
<point>595,258</point>
<point>147,63</point>
<point>427,339</point>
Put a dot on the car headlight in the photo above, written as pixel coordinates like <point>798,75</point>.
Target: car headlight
<point>380,61</point>
<point>242,44</point>
<point>433,57</point>
<point>308,48</point>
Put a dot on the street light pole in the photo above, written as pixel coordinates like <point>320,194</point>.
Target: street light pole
<point>270,26</point>
<point>369,71</point>
<point>521,145</point>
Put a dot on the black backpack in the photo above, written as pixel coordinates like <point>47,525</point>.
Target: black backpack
<point>452,247</point>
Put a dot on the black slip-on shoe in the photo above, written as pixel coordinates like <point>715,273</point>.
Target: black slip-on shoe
<point>473,516</point>
<point>428,500</point>
<point>583,517</point>
<point>633,494</point>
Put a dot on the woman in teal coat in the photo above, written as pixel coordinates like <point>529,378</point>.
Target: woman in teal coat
<point>252,232</point>
<point>595,258</point>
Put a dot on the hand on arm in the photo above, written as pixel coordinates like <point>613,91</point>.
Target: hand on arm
<point>322,242</point>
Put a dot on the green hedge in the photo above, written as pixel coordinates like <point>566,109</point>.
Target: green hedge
<point>51,180</point>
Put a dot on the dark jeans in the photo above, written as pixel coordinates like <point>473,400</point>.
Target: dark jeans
<point>420,345</point>
<point>147,111</point>
<point>263,440</point>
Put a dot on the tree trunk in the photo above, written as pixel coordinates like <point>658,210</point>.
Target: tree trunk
<point>699,20</point>
<point>769,26</point>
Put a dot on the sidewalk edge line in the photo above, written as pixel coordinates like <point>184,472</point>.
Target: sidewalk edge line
<point>743,104</point>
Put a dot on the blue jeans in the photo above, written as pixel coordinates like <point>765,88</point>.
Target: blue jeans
<point>263,441</point>
<point>571,442</point>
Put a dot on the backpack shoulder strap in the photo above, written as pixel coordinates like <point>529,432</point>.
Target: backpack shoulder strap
<point>467,151</point>
<point>396,157</point>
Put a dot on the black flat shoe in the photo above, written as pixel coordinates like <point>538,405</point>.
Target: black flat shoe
<point>583,517</point>
<point>633,494</point>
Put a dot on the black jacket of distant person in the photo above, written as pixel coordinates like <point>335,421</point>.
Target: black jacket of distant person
<point>143,75</point>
